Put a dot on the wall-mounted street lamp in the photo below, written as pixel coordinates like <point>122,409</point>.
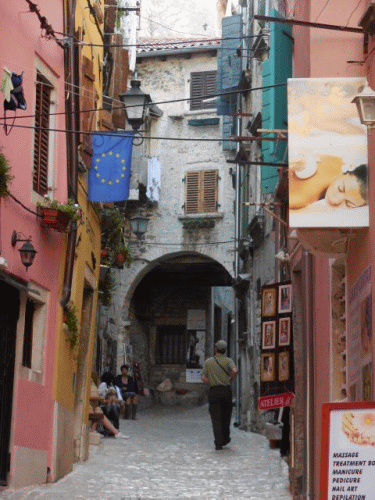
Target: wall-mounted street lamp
<point>139,224</point>
<point>365,102</point>
<point>136,103</point>
<point>27,251</point>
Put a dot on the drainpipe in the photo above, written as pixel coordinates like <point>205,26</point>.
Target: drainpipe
<point>308,349</point>
<point>72,151</point>
<point>236,270</point>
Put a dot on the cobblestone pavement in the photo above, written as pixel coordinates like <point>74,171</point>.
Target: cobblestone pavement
<point>170,455</point>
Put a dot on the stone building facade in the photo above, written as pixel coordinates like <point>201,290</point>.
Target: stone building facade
<point>181,181</point>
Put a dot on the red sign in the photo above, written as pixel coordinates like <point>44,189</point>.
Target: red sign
<point>275,401</point>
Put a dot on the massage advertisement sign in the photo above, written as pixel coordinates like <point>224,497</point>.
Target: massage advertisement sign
<point>348,459</point>
<point>327,147</point>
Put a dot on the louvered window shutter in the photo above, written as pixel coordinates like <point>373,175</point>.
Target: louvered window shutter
<point>202,85</point>
<point>88,103</point>
<point>201,192</point>
<point>192,193</point>
<point>209,202</point>
<point>41,134</point>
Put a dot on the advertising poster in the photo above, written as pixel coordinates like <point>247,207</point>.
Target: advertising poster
<point>195,355</point>
<point>348,461</point>
<point>327,154</point>
<point>359,339</point>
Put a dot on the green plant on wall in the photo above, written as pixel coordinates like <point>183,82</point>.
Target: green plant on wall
<point>5,175</point>
<point>106,288</point>
<point>72,326</point>
<point>112,223</point>
<point>198,223</point>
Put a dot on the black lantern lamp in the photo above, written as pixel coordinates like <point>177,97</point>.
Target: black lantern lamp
<point>27,251</point>
<point>135,102</point>
<point>139,224</point>
<point>365,102</point>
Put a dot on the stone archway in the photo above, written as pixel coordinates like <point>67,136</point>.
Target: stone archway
<point>156,308</point>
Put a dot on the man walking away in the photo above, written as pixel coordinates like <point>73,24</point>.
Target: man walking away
<point>219,372</point>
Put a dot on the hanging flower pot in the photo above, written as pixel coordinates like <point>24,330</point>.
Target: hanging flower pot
<point>104,252</point>
<point>123,256</point>
<point>54,218</point>
<point>57,215</point>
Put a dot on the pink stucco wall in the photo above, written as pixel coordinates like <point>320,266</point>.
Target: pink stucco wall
<point>323,53</point>
<point>21,42</point>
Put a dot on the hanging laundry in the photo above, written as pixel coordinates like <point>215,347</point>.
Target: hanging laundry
<point>17,98</point>
<point>6,83</point>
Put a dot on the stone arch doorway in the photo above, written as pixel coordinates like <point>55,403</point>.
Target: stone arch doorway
<point>170,327</point>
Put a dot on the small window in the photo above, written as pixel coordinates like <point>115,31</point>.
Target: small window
<point>201,192</point>
<point>171,345</point>
<point>41,134</point>
<point>202,86</point>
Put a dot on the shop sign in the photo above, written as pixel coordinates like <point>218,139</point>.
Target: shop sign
<point>275,401</point>
<point>327,149</point>
<point>348,461</point>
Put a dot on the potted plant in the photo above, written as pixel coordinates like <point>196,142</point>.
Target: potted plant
<point>123,255</point>
<point>198,223</point>
<point>57,215</point>
<point>71,325</point>
<point>5,175</point>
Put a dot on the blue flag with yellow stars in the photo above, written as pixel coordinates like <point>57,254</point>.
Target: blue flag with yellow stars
<point>109,175</point>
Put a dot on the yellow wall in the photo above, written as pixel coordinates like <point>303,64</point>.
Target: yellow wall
<point>88,237</point>
<point>91,35</point>
<point>88,242</point>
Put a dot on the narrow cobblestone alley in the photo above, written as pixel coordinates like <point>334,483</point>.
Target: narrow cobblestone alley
<point>170,455</point>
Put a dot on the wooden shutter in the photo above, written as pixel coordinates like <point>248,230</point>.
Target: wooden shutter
<point>201,192</point>
<point>192,193</point>
<point>41,137</point>
<point>202,85</point>
<point>209,198</point>
<point>88,100</point>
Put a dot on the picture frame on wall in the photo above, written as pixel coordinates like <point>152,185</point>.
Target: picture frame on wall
<point>269,302</point>
<point>283,366</point>
<point>284,332</point>
<point>267,367</point>
<point>285,298</point>
<point>269,335</point>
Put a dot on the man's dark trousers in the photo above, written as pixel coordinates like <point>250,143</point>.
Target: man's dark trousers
<point>220,408</point>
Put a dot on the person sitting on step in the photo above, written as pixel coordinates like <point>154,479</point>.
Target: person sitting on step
<point>129,391</point>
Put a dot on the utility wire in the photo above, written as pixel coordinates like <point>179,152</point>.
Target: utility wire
<point>358,4</point>
<point>325,5</point>
<point>175,42</point>
<point>167,102</point>
<point>118,134</point>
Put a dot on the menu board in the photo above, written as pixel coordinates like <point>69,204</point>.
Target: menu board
<point>348,460</point>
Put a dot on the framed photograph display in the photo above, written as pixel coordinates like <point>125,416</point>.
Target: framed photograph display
<point>269,302</point>
<point>283,366</point>
<point>267,367</point>
<point>268,334</point>
<point>285,299</point>
<point>284,332</point>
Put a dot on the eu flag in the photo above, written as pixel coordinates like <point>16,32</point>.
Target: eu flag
<point>109,175</point>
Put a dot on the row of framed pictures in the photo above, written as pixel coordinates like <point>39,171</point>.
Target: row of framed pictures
<point>275,367</point>
<point>269,333</point>
<point>273,303</point>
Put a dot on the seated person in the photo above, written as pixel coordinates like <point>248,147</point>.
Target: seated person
<point>112,399</point>
<point>129,391</point>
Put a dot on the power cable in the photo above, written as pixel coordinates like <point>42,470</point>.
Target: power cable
<point>358,4</point>
<point>325,5</point>
<point>170,101</point>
